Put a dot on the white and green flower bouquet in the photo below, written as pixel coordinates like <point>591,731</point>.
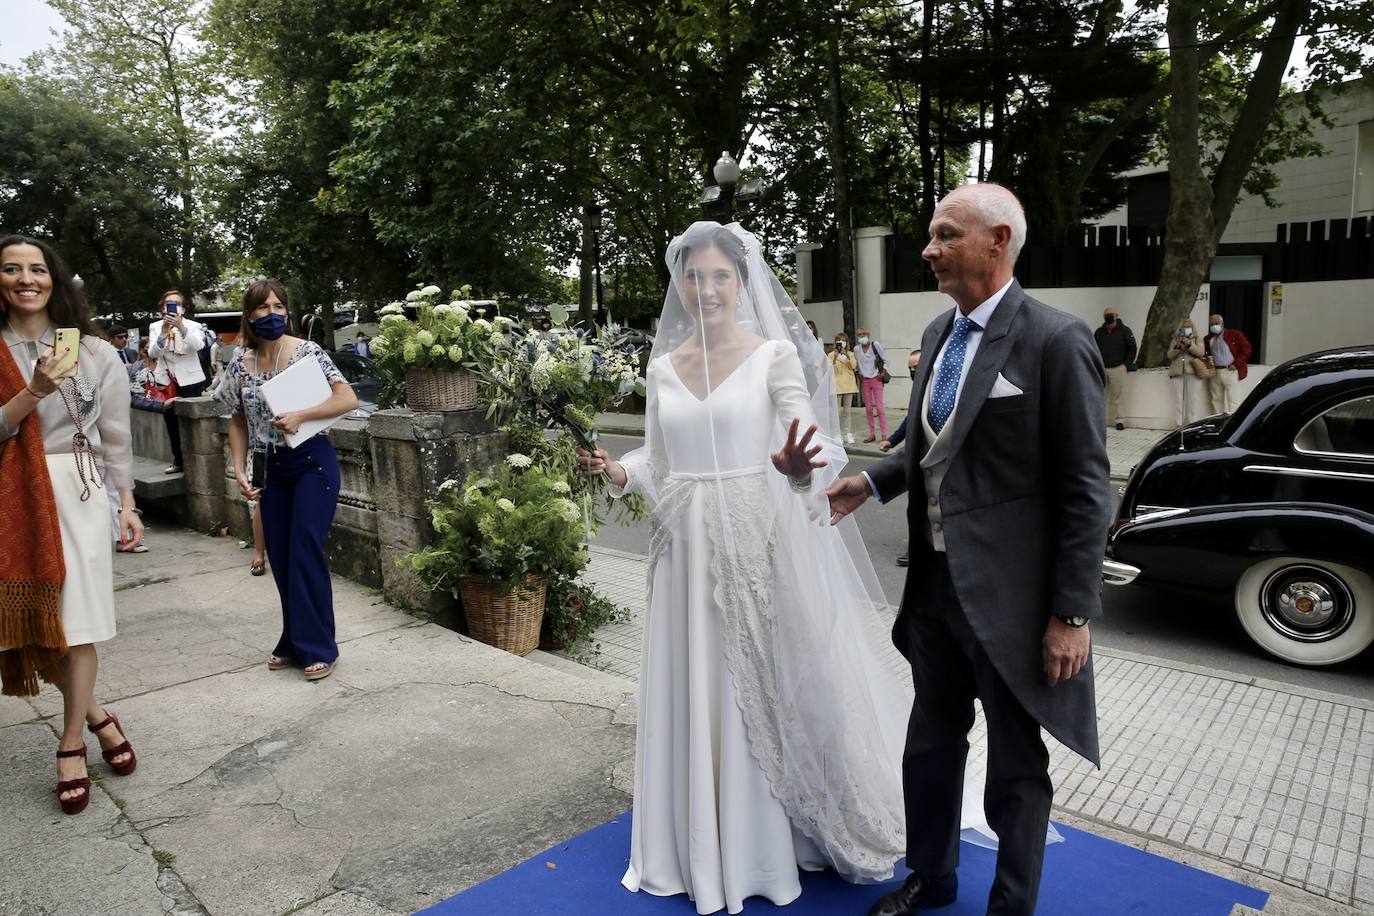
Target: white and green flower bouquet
<point>424,332</point>
<point>562,380</point>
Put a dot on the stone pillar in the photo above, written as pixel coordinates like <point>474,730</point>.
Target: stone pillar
<point>803,255</point>
<point>204,446</point>
<point>870,256</point>
<point>413,453</point>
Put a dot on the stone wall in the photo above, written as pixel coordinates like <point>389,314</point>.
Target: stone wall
<point>391,463</point>
<point>150,435</point>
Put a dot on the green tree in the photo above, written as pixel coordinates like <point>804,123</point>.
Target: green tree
<point>142,64</point>
<point>1216,152</point>
<point>99,193</point>
<point>274,197</point>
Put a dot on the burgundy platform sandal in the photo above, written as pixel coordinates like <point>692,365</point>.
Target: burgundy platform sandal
<point>121,769</point>
<point>78,804</point>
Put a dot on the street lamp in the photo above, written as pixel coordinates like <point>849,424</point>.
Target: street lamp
<point>721,197</point>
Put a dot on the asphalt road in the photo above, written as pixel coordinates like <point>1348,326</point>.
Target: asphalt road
<point>1137,619</point>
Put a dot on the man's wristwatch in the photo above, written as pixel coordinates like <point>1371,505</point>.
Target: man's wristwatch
<point>1074,622</point>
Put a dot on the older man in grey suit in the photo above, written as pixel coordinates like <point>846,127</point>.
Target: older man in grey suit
<point>1007,477</point>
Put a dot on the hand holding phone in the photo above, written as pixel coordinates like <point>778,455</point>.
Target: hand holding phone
<point>66,348</point>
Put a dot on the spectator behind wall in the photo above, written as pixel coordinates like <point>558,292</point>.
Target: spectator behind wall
<point>175,341</point>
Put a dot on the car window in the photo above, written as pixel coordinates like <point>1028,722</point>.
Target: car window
<point>1346,429</point>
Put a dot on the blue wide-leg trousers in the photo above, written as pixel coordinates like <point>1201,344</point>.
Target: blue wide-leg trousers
<point>298,503</point>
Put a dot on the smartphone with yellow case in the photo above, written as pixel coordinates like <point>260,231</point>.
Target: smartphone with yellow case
<point>66,346</point>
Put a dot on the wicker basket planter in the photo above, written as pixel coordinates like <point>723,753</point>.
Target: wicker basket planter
<point>441,389</point>
<point>504,617</point>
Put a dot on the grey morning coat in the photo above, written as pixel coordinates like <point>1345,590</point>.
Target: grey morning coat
<point>1016,493</point>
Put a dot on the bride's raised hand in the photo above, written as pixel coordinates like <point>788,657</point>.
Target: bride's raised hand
<point>797,458</point>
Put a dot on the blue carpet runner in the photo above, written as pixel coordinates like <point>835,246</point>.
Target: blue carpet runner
<point>1085,875</point>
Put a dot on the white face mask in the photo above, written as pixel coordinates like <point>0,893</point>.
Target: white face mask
<point>839,345</point>
<point>1185,332</point>
<point>1216,329</point>
<point>863,341</point>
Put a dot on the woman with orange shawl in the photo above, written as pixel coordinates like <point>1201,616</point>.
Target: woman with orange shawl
<point>60,425</point>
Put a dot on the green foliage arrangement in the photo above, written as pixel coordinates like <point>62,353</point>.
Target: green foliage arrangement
<point>514,522</point>
<point>573,612</point>
<point>441,335</point>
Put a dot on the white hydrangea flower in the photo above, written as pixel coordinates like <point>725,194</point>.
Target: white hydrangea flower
<point>541,373</point>
<point>392,318</point>
<point>436,352</point>
<point>517,460</point>
<point>442,309</point>
<point>503,321</point>
<point>505,505</point>
<point>569,510</point>
<point>497,338</point>
<point>483,323</point>
<point>425,339</point>
<point>379,346</point>
<point>392,308</point>
<point>447,485</point>
<point>560,486</point>
<point>430,290</point>
<point>412,352</point>
<point>413,295</point>
<point>455,353</point>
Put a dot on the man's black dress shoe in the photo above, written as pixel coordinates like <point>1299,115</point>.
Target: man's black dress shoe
<point>904,559</point>
<point>918,894</point>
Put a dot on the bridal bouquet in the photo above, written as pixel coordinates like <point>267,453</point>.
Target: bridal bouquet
<point>564,380</point>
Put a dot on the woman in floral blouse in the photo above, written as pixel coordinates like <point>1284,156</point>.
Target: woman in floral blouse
<point>299,492</point>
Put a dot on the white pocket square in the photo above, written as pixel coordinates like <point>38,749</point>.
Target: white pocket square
<point>1003,388</point>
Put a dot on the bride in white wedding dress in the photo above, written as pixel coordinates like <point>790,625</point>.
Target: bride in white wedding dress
<point>770,730</point>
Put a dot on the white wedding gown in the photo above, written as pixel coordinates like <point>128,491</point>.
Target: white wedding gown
<point>768,737</point>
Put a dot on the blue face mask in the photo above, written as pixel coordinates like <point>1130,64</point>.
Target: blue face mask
<point>1215,329</point>
<point>270,327</point>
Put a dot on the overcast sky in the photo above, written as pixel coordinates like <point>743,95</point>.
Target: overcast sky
<point>26,28</point>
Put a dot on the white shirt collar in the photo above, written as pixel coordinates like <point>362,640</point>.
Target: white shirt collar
<point>983,313</point>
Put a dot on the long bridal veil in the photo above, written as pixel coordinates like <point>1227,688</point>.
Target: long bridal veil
<point>824,696</point>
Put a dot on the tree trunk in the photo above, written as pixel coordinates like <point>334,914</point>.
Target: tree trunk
<point>1190,240</point>
<point>1199,211</point>
<point>586,295</point>
<point>1256,112</point>
<point>840,167</point>
<point>928,188</point>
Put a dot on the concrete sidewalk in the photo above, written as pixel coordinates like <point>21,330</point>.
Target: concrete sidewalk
<point>426,763</point>
<point>1125,447</point>
<point>429,762</point>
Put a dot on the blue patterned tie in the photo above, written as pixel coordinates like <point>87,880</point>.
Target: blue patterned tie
<point>947,379</point>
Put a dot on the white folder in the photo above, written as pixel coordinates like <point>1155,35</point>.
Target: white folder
<point>299,386</point>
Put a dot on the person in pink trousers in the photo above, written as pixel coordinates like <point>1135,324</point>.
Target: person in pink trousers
<point>872,368</point>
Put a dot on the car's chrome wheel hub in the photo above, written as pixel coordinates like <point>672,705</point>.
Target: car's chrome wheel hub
<point>1307,603</point>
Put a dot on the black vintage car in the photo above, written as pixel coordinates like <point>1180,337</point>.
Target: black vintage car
<point>1271,507</point>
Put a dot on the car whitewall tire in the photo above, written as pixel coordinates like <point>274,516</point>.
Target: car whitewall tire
<point>1309,612</point>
